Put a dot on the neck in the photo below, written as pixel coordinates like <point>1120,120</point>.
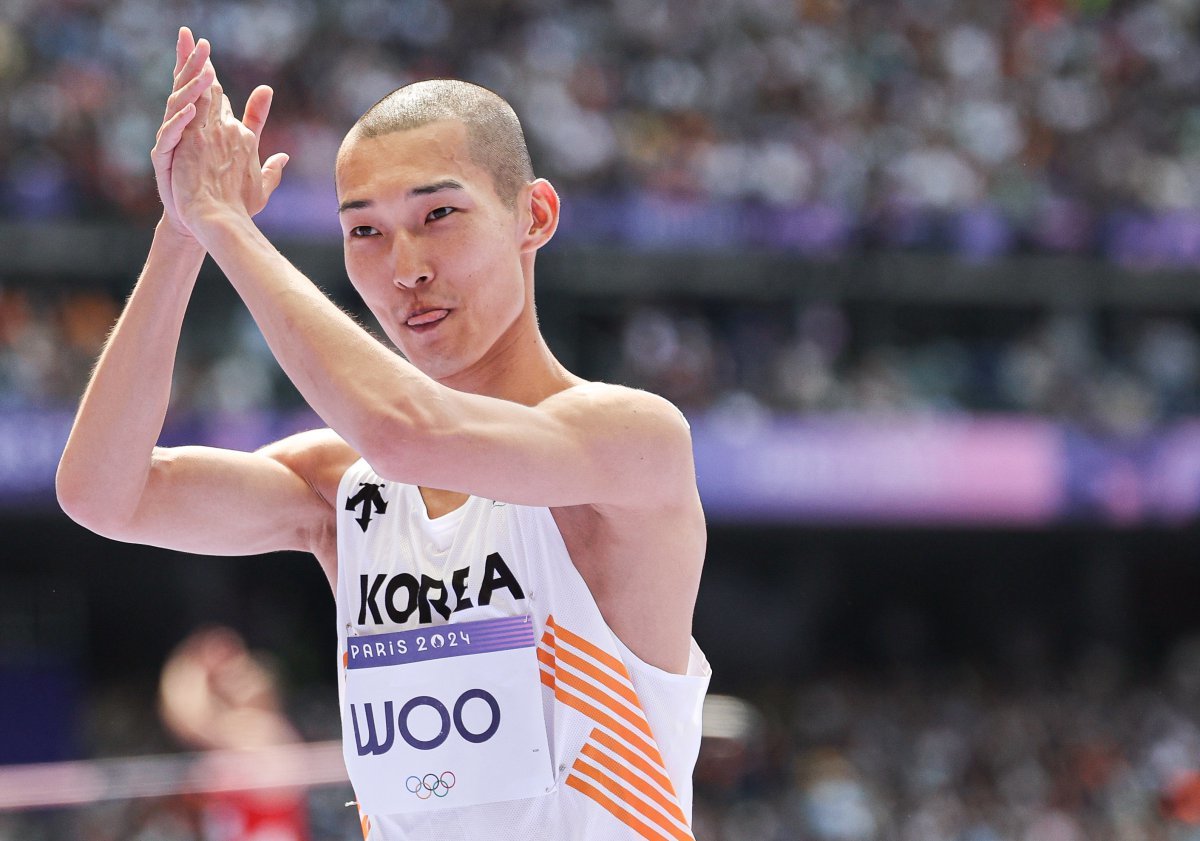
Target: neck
<point>519,368</point>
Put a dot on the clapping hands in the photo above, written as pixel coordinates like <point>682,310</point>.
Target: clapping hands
<point>206,161</point>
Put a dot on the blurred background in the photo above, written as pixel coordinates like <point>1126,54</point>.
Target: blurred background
<point>921,273</point>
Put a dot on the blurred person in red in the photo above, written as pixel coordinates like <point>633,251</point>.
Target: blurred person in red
<point>216,695</point>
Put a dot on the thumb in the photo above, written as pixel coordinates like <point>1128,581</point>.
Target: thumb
<point>272,173</point>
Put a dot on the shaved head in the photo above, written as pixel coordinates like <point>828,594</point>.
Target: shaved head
<point>495,140</point>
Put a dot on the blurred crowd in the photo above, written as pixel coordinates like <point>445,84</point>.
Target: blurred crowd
<point>816,125</point>
<point>1117,373</point>
<point>823,127</point>
<point>1112,372</point>
<point>1083,756</point>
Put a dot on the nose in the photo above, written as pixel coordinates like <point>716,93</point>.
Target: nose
<point>409,268</point>
<point>409,281</point>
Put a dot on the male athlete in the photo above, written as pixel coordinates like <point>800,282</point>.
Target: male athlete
<point>514,551</point>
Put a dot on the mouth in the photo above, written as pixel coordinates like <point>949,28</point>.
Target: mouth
<point>425,319</point>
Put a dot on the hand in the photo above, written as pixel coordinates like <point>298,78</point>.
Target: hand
<point>190,93</point>
<point>215,164</point>
<point>214,693</point>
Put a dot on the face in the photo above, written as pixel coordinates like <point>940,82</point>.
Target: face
<point>432,249</point>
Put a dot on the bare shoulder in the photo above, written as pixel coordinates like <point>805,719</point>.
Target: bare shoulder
<point>616,415</point>
<point>640,434</point>
<point>617,402</point>
<point>319,456</point>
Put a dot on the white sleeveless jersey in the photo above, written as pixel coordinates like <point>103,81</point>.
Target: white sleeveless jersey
<point>459,633</point>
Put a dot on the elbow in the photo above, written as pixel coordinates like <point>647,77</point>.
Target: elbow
<point>87,502</point>
<point>79,502</point>
<point>74,497</point>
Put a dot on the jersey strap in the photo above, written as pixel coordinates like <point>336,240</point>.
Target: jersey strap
<point>619,767</point>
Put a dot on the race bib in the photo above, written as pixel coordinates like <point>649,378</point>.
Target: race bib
<point>436,718</point>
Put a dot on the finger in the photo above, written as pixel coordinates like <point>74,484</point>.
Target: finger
<point>215,103</point>
<point>195,62</point>
<point>172,130</point>
<point>272,172</point>
<point>258,106</point>
<point>184,45</point>
<point>203,104</point>
<point>190,92</point>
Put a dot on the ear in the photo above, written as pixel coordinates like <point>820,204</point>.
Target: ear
<point>541,202</point>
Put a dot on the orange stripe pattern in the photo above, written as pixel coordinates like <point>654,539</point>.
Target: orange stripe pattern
<point>620,767</point>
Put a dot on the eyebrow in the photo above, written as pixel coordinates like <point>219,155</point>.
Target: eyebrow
<point>425,190</point>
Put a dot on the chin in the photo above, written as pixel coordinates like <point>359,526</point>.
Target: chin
<point>436,368</point>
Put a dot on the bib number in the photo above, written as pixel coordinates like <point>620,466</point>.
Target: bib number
<point>372,745</point>
<point>430,725</point>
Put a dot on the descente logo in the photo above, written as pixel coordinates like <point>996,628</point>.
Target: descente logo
<point>400,596</point>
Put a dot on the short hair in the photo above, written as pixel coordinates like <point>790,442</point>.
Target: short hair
<point>495,139</point>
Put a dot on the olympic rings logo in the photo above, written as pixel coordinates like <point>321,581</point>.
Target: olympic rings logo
<point>431,785</point>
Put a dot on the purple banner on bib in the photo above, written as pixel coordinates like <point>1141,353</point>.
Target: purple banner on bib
<point>455,640</point>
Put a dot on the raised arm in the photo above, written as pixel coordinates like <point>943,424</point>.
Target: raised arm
<point>445,261</point>
<point>593,443</point>
<point>112,478</point>
<point>587,444</point>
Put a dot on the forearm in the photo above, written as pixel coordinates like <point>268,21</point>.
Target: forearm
<point>106,463</point>
<point>371,396</point>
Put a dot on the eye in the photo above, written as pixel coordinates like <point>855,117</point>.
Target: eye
<point>439,213</point>
<point>362,231</point>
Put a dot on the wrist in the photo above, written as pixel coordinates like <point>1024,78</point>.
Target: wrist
<point>179,245</point>
<point>172,234</point>
<point>212,227</point>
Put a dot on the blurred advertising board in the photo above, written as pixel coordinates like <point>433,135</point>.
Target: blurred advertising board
<point>982,470</point>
